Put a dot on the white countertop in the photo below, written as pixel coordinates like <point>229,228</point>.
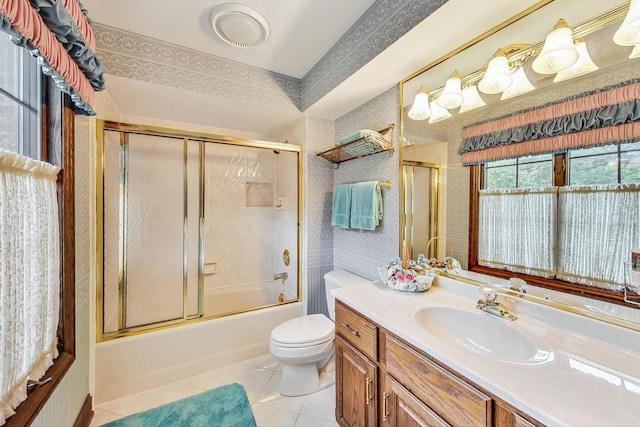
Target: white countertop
<point>592,378</point>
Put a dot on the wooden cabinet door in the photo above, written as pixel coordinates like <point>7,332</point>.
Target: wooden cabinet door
<point>400,408</point>
<point>356,387</point>
<point>508,416</point>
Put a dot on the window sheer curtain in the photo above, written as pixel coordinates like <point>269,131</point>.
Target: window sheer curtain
<point>517,229</point>
<point>29,275</point>
<point>599,225</point>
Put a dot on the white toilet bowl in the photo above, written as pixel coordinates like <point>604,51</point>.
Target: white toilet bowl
<point>305,345</point>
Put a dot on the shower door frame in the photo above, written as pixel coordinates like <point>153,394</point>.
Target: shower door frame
<point>434,190</point>
<point>202,138</point>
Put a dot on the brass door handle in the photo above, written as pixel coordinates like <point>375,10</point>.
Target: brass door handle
<point>369,398</point>
<point>385,413</point>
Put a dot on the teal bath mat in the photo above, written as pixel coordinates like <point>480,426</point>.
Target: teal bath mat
<point>224,406</point>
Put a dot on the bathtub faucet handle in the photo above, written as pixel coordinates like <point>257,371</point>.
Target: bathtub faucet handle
<point>281,276</point>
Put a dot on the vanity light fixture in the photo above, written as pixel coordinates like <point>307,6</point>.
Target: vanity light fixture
<point>505,72</point>
<point>420,108</point>
<point>584,64</point>
<point>497,78</point>
<point>438,113</point>
<point>451,96</point>
<point>558,52</point>
<point>628,34</point>
<point>471,99</point>
<point>520,85</point>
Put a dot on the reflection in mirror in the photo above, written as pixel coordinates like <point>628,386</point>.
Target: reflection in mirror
<point>520,41</point>
<point>421,206</point>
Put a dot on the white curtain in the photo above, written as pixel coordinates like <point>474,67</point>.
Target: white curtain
<point>599,225</point>
<point>517,230</point>
<point>29,275</point>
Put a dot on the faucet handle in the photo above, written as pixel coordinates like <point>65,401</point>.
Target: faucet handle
<point>518,285</point>
<point>490,292</point>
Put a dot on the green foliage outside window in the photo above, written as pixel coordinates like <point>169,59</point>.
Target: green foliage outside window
<point>609,164</point>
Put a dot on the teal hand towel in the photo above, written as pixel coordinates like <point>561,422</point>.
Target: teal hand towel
<point>341,209</point>
<point>366,205</point>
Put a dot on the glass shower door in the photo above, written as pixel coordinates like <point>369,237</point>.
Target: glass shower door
<point>421,207</point>
<point>151,227</point>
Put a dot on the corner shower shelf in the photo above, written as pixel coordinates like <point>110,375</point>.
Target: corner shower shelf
<point>361,147</point>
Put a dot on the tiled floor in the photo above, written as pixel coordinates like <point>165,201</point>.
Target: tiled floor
<point>260,378</point>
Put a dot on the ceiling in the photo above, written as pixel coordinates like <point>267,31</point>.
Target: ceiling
<point>302,32</point>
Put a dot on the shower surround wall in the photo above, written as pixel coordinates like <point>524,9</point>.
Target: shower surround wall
<point>239,226</point>
<point>317,235</point>
<point>362,252</point>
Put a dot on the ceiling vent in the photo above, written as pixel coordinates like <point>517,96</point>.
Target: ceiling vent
<point>239,25</point>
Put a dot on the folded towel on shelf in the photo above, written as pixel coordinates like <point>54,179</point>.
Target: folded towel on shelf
<point>370,142</point>
<point>341,209</point>
<point>366,205</point>
<point>356,135</point>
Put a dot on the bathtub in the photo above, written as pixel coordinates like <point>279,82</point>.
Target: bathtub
<point>132,364</point>
<point>244,297</point>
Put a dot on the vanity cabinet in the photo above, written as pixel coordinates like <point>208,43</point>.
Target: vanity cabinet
<point>356,387</point>
<point>382,380</point>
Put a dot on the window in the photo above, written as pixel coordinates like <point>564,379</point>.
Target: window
<point>560,219</point>
<point>610,164</point>
<point>19,100</point>
<point>36,120</point>
<point>528,171</point>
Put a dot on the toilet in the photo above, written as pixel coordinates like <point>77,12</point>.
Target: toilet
<point>305,345</point>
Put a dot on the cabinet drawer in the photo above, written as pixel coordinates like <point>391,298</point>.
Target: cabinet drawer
<point>452,399</point>
<point>361,333</point>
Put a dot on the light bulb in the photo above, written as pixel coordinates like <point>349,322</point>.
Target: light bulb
<point>497,77</point>
<point>558,52</point>
<point>628,33</point>
<point>420,108</point>
<point>451,96</point>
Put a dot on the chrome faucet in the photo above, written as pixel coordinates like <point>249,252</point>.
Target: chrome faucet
<point>491,306</point>
<point>281,276</point>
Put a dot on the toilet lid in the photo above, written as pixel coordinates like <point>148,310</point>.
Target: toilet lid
<point>303,331</point>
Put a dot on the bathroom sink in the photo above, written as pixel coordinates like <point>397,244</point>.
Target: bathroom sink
<point>481,333</point>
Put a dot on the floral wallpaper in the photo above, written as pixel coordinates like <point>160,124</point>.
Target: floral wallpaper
<point>362,252</point>
<point>384,23</point>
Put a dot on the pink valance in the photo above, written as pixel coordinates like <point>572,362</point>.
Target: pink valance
<point>611,134</point>
<point>598,117</point>
<point>81,22</point>
<point>60,35</point>
<point>610,97</point>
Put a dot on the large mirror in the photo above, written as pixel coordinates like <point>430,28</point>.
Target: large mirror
<point>434,141</point>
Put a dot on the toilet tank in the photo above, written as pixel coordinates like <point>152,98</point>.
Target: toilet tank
<point>339,279</point>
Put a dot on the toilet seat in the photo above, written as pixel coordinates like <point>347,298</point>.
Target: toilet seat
<point>305,331</point>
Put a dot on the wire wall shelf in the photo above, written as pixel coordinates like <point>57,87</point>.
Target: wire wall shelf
<point>361,147</point>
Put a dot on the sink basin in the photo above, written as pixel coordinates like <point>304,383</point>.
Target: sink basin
<point>482,333</point>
